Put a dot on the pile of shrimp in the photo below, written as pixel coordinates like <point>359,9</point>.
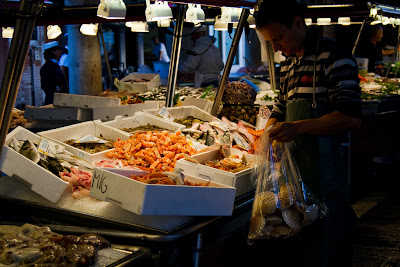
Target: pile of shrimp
<point>152,151</point>
<point>162,178</point>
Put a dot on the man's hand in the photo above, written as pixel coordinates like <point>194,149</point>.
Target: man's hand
<point>284,132</point>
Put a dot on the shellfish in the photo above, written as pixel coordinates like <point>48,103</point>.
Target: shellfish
<point>310,214</point>
<point>257,224</point>
<point>291,218</point>
<point>281,230</point>
<point>273,220</point>
<point>265,203</point>
<point>286,196</point>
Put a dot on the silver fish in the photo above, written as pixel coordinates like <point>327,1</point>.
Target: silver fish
<point>177,176</point>
<point>74,160</point>
<point>30,151</point>
<point>15,144</point>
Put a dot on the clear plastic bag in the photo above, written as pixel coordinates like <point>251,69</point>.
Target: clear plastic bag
<point>282,203</point>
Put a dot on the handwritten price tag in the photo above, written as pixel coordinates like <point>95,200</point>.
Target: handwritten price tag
<point>163,112</point>
<point>98,182</point>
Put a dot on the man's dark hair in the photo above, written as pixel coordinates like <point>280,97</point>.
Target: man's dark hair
<point>281,11</point>
<point>48,53</point>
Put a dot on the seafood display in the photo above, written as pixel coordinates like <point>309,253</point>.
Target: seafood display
<point>189,121</point>
<point>146,128</point>
<point>233,163</point>
<point>126,98</point>
<point>31,245</point>
<point>247,113</point>
<point>159,93</point>
<point>79,180</point>
<point>239,93</point>
<point>152,151</point>
<point>91,146</point>
<point>166,179</point>
<point>379,88</point>
<point>17,118</point>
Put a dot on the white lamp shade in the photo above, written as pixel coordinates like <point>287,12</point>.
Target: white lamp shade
<point>89,29</point>
<point>345,21</point>
<point>111,9</point>
<point>219,25</point>
<point>158,11</point>
<point>229,14</point>
<point>308,21</point>
<point>7,32</point>
<point>140,26</point>
<point>324,21</point>
<point>53,31</point>
<point>252,22</point>
<point>195,14</point>
<point>128,24</point>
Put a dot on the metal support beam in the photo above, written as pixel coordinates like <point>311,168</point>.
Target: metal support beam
<point>271,65</point>
<point>358,36</point>
<point>175,54</point>
<point>15,64</point>
<point>229,61</point>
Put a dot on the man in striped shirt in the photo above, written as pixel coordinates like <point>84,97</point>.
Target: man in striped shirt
<point>319,100</point>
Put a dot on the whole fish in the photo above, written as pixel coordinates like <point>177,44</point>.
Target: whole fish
<point>30,151</point>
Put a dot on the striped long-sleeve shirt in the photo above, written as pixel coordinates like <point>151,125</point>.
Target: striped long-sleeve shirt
<point>337,82</point>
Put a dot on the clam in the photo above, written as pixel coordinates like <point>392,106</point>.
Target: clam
<point>265,203</point>
<point>286,196</point>
<point>30,151</point>
<point>257,224</point>
<point>291,218</point>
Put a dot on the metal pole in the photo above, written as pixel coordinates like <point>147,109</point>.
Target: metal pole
<point>103,43</point>
<point>197,251</point>
<point>11,61</point>
<point>358,37</point>
<point>19,67</point>
<point>394,54</point>
<point>271,65</point>
<point>175,54</point>
<point>229,61</point>
<point>32,78</point>
<point>15,64</point>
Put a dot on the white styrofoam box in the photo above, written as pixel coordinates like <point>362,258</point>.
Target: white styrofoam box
<point>76,131</point>
<point>240,180</point>
<point>135,87</point>
<point>116,186</point>
<point>84,101</point>
<point>185,111</point>
<point>61,113</point>
<point>160,103</point>
<point>203,104</point>
<point>41,180</point>
<point>142,118</point>
<point>109,113</point>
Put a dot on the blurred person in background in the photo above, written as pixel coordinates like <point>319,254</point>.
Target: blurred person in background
<point>204,61</point>
<point>64,64</point>
<point>51,77</point>
<point>159,51</point>
<point>372,49</point>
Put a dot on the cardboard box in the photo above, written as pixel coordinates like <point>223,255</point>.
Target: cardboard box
<point>58,113</point>
<point>142,118</point>
<point>203,104</point>
<point>39,179</point>
<point>109,113</point>
<point>84,101</point>
<point>240,180</point>
<point>79,130</point>
<point>185,111</point>
<point>138,87</point>
<point>115,186</point>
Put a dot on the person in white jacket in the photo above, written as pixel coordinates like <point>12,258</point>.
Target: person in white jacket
<point>204,61</point>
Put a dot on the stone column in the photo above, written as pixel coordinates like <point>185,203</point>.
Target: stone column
<point>84,58</point>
